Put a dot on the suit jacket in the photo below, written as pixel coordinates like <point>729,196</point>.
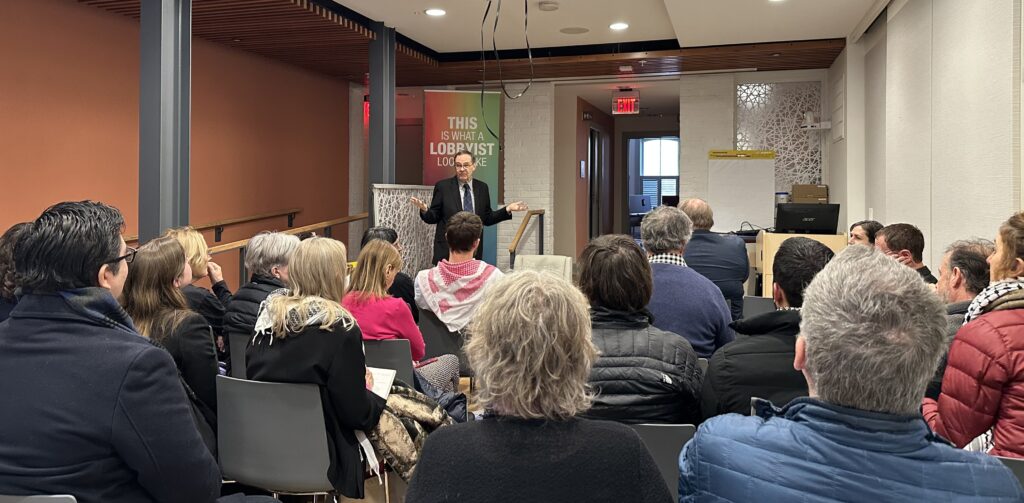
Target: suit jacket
<point>94,412</point>
<point>447,201</point>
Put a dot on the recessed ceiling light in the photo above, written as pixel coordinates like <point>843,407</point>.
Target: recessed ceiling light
<point>626,68</point>
<point>618,26</point>
<point>434,12</point>
<point>776,1</point>
<point>776,54</point>
<point>574,30</point>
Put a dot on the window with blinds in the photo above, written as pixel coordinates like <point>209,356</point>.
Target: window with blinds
<point>659,167</point>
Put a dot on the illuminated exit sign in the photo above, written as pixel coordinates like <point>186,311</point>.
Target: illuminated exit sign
<point>625,103</point>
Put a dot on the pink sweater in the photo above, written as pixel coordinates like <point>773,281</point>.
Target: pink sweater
<point>386,318</point>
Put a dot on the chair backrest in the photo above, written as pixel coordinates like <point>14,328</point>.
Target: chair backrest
<point>441,341</point>
<point>59,498</point>
<point>702,363</point>
<point>753,306</point>
<point>395,354</point>
<point>272,435</point>
<point>1016,465</point>
<point>556,264</point>
<point>665,442</point>
<point>237,344</point>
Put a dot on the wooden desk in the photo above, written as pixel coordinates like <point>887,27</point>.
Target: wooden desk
<point>768,244</point>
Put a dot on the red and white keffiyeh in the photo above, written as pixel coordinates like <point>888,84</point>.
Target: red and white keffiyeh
<point>453,291</point>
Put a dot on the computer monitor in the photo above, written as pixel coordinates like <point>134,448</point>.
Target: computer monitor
<point>639,204</point>
<point>670,200</point>
<point>806,218</point>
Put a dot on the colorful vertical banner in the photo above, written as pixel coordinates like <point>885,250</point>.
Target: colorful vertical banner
<point>454,121</point>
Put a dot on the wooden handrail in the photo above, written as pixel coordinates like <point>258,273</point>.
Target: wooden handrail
<point>298,230</point>
<point>220,224</point>
<point>522,228</point>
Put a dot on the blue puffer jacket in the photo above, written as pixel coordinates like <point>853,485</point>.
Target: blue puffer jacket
<point>813,451</point>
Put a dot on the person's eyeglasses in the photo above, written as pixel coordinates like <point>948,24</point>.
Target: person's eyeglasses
<point>127,257</point>
<point>463,166</point>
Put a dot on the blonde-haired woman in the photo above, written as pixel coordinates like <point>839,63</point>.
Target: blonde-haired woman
<point>381,316</point>
<point>211,305</point>
<point>532,354</point>
<point>304,335</point>
<point>152,297</point>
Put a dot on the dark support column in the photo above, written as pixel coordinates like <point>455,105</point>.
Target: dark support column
<point>165,52</point>
<point>382,108</point>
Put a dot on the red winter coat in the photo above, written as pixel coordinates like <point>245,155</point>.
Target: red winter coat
<point>983,386</point>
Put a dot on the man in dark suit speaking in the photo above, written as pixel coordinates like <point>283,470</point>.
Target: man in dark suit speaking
<point>461,193</point>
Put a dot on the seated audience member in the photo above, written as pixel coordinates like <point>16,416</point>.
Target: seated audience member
<point>152,297</point>
<point>869,340</point>
<point>683,302</point>
<point>643,374</point>
<point>905,243</point>
<point>963,274</point>
<point>722,258</point>
<point>266,259</point>
<point>863,232</point>
<point>91,409</point>
<point>761,364</point>
<point>402,286</point>
<point>455,286</point>
<point>380,316</point>
<point>8,283</point>
<point>209,304</point>
<point>985,393</point>
<point>303,335</point>
<point>532,353</point>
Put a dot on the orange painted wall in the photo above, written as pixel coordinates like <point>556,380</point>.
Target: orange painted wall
<point>265,135</point>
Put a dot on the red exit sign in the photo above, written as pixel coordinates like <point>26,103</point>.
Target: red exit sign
<point>626,103</point>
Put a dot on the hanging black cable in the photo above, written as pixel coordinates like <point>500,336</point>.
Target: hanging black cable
<point>497,57</point>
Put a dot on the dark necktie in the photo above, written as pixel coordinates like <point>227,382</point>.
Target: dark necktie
<point>467,199</point>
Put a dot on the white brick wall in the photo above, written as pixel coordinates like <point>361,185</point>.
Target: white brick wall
<point>529,167</point>
<point>707,108</point>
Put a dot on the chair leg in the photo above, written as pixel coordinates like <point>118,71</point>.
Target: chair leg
<point>387,488</point>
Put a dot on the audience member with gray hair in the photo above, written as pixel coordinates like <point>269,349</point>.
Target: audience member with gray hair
<point>871,335</point>
<point>266,259</point>
<point>722,258</point>
<point>982,398</point>
<point>683,302</point>
<point>531,350</point>
<point>963,273</point>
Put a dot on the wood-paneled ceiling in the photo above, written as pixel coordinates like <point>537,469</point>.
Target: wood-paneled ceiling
<point>305,34</point>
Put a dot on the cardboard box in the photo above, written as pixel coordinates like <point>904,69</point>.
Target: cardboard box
<point>809,194</point>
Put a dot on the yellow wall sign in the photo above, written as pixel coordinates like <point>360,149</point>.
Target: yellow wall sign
<point>741,154</point>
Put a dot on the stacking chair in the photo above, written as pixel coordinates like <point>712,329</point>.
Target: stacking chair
<point>665,442</point>
<point>273,436</point>
<point>395,354</point>
<point>1016,465</point>
<point>61,498</point>
<point>440,341</point>
<point>237,344</point>
<point>753,306</point>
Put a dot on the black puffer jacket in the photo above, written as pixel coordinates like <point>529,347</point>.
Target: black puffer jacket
<point>240,317</point>
<point>643,374</point>
<point>759,363</point>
